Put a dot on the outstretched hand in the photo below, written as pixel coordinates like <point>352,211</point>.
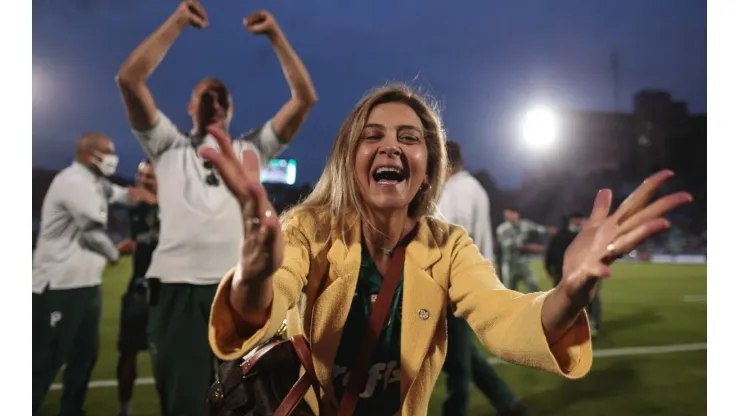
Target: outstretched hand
<point>606,237</point>
<point>262,244</point>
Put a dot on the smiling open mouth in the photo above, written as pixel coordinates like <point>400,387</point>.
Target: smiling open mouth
<point>389,175</point>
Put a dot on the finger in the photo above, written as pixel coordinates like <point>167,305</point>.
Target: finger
<point>197,17</point>
<point>224,142</point>
<point>256,17</point>
<point>199,23</point>
<point>228,170</point>
<point>248,215</point>
<point>265,211</point>
<point>655,210</point>
<point>251,19</point>
<point>198,10</point>
<point>627,242</point>
<point>264,236</point>
<point>601,208</point>
<point>251,165</point>
<point>640,197</point>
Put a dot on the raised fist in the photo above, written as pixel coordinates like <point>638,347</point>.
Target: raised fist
<point>191,13</point>
<point>261,23</point>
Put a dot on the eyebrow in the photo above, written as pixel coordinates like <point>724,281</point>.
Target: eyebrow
<point>400,127</point>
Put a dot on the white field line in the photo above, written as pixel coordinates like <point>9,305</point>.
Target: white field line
<point>609,352</point>
<point>679,276</point>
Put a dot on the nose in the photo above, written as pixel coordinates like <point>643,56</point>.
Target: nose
<point>390,149</point>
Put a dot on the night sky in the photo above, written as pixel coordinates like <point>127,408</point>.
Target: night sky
<point>486,61</point>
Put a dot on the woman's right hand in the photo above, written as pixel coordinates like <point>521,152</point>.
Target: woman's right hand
<point>262,244</point>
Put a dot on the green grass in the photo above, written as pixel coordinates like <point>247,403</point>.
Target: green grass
<point>643,306</point>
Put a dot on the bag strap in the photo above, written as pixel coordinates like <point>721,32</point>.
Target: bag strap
<point>378,318</point>
<point>308,379</point>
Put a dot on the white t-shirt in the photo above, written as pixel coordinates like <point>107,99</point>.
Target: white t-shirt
<point>75,204</point>
<point>464,202</point>
<point>200,224</point>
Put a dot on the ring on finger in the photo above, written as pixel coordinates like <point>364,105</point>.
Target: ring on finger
<point>254,221</point>
<point>611,249</point>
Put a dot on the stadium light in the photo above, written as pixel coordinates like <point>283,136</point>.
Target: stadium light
<point>41,88</point>
<point>36,86</point>
<point>539,128</point>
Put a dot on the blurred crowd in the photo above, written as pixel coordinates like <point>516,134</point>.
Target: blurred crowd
<point>687,236</point>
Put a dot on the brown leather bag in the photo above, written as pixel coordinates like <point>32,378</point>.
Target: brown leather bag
<point>264,382</point>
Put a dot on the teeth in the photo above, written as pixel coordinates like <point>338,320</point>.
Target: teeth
<point>381,170</point>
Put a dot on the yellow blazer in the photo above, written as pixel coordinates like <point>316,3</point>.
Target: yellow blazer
<point>442,265</point>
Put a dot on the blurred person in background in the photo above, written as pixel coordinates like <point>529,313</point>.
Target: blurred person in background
<point>559,243</point>
<point>516,252</point>
<point>71,253</point>
<point>200,219</point>
<point>554,264</point>
<point>464,202</point>
<point>132,337</point>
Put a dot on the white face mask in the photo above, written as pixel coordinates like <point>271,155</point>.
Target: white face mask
<point>107,164</point>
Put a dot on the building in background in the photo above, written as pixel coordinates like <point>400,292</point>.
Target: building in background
<point>618,150</point>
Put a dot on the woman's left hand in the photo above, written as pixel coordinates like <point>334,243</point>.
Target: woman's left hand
<point>606,237</point>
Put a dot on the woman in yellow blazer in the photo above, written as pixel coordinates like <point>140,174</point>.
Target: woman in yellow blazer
<point>380,185</point>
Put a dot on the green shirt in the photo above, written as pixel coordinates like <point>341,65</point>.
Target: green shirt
<point>381,395</point>
<point>510,236</point>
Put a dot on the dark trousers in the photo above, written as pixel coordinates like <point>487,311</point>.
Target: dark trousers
<point>66,330</point>
<point>465,363</point>
<point>182,360</point>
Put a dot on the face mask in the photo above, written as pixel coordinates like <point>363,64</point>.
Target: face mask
<point>107,164</point>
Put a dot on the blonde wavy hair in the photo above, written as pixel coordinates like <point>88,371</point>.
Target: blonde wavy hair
<point>336,199</point>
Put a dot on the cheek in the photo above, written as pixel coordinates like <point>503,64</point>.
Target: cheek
<point>362,162</point>
<point>418,161</point>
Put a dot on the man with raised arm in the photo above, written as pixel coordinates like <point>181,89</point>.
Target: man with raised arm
<point>200,221</point>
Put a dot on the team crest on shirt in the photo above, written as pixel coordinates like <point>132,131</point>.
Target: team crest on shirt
<point>374,297</point>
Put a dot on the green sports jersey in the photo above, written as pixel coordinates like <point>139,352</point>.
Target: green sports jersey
<point>381,395</point>
<point>510,236</point>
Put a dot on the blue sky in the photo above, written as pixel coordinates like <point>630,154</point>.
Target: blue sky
<point>485,61</point>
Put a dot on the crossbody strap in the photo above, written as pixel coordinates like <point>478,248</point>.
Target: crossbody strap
<point>378,318</point>
<point>308,379</point>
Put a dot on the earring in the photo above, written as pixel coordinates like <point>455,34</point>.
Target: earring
<point>424,187</point>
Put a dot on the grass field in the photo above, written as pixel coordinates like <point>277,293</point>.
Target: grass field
<point>644,306</point>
